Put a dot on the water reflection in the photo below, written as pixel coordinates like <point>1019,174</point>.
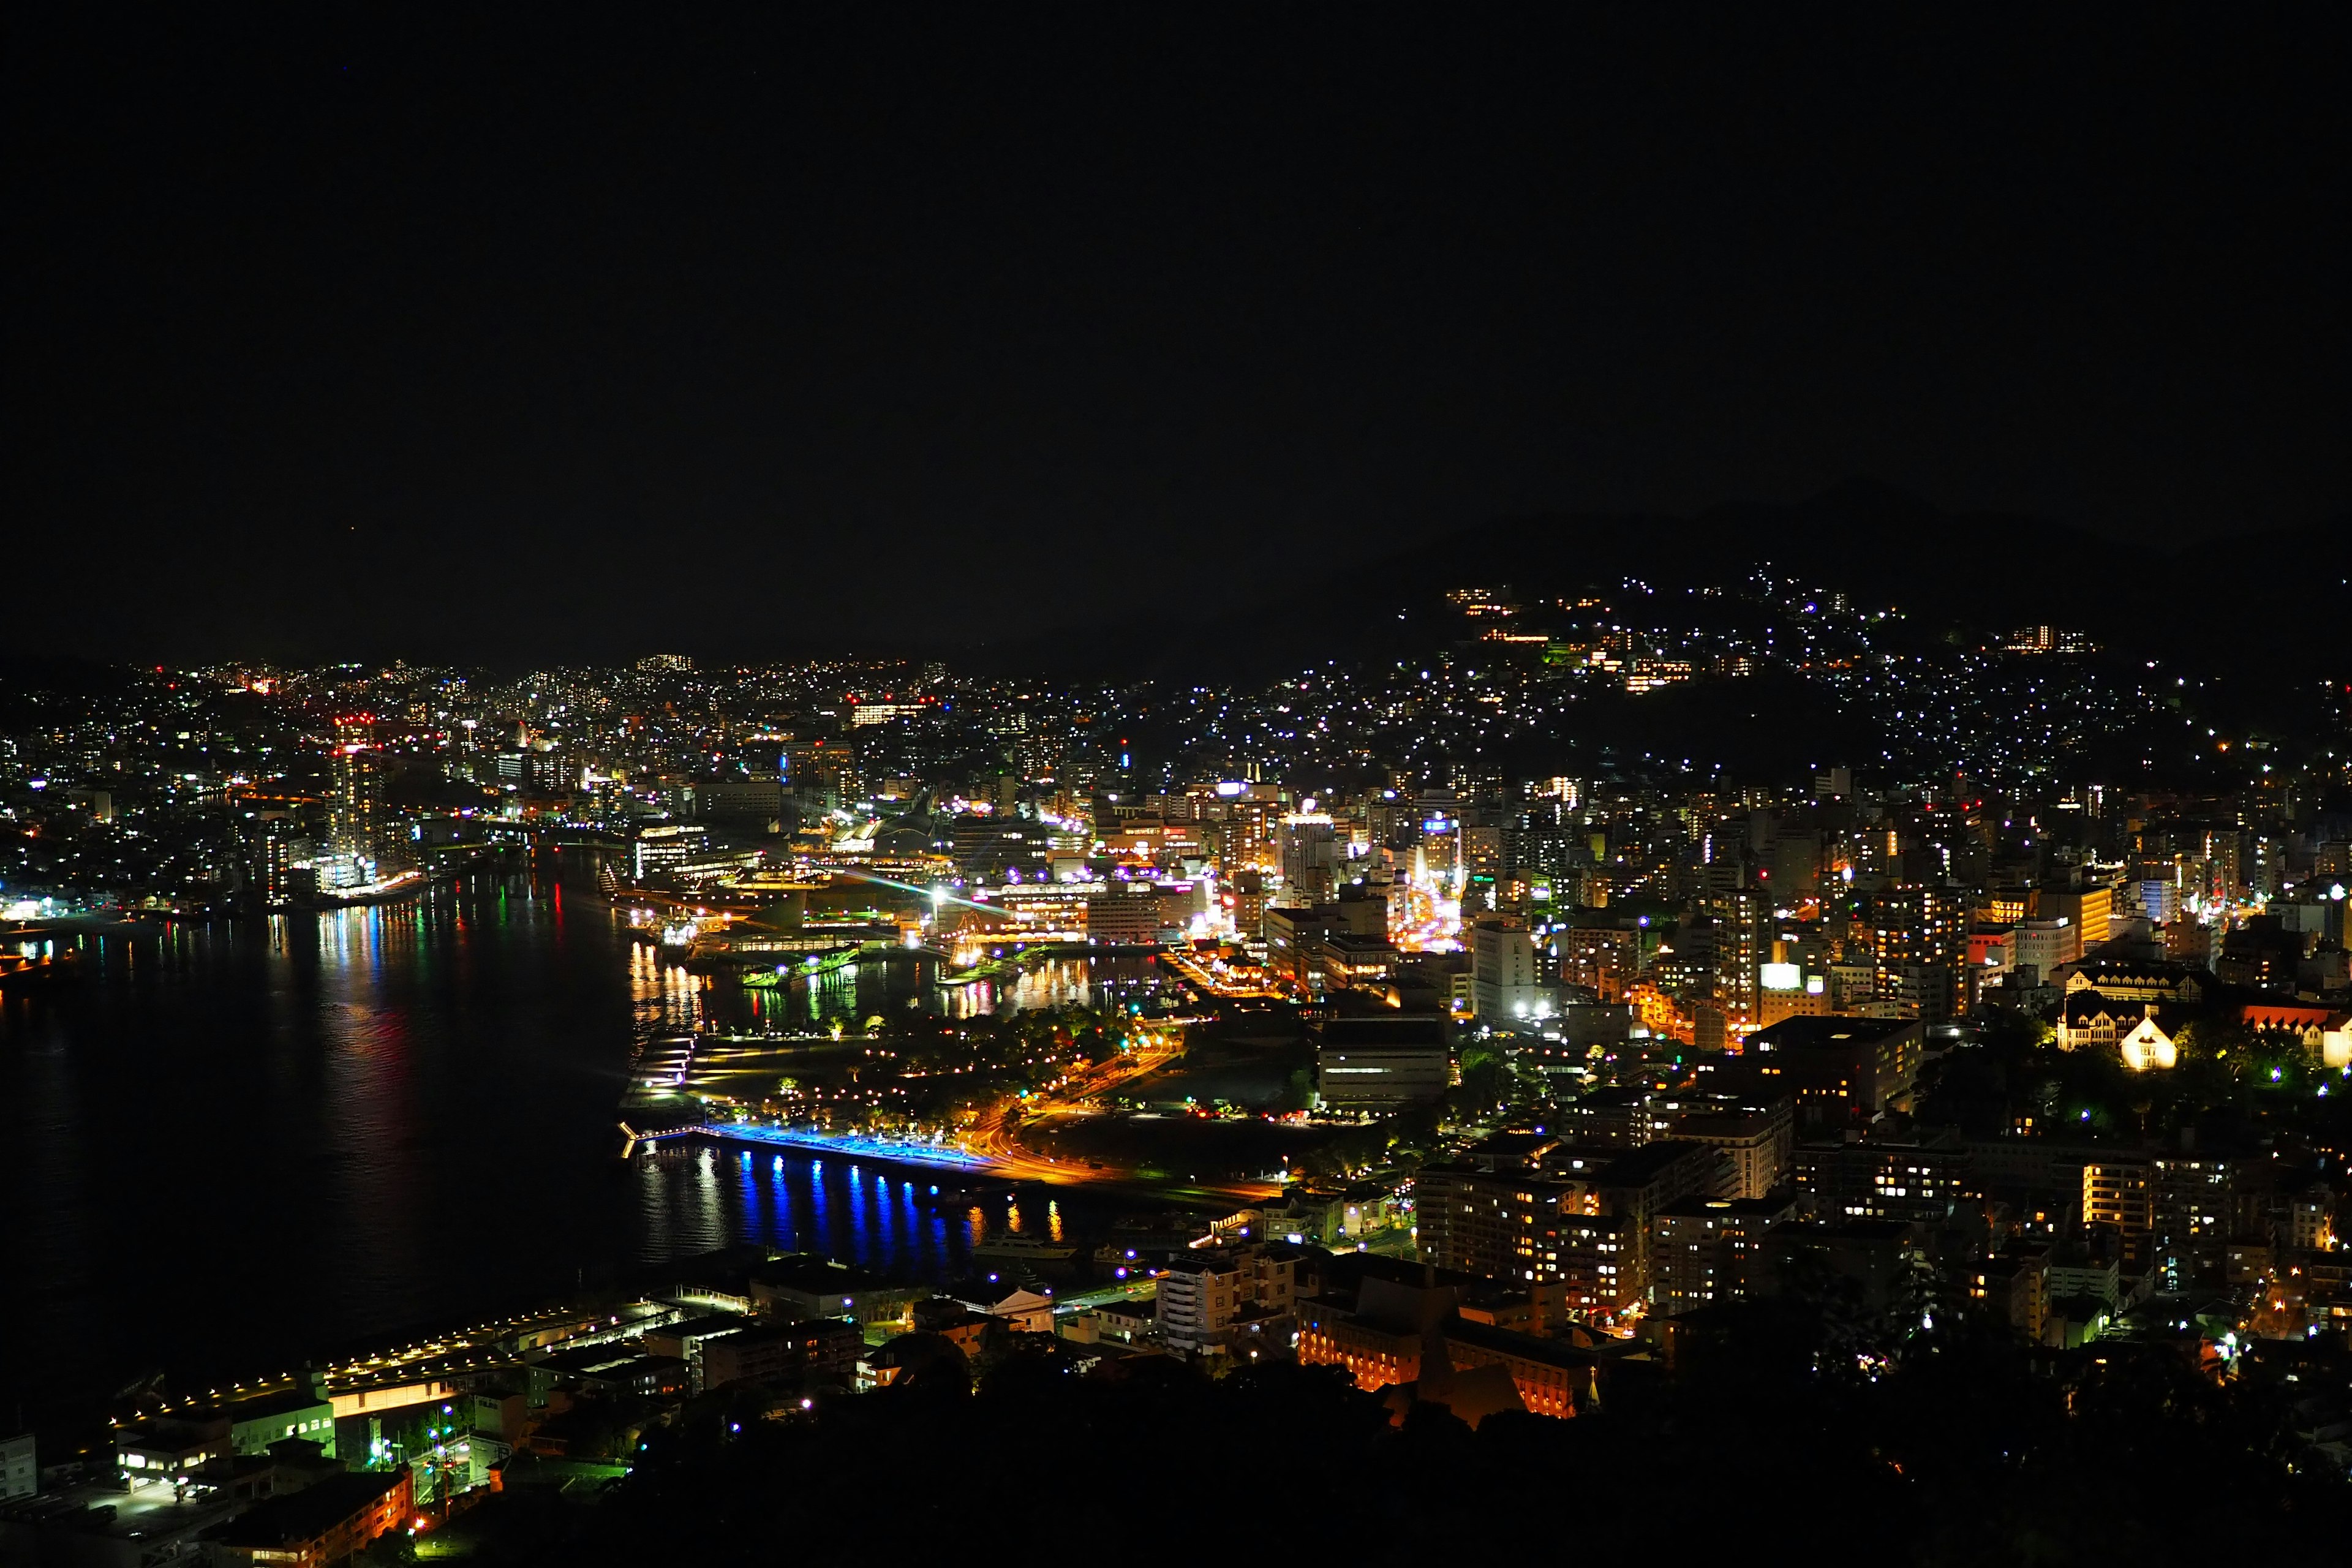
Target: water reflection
<point>870,1215</point>
<point>403,1116</point>
<point>671,1000</point>
<point>698,1200</point>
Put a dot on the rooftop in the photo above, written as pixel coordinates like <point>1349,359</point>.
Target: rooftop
<point>309,1513</point>
<point>1639,1166</point>
<point>703,1328</point>
<point>1836,1030</point>
<point>1510,1341</point>
<point>1393,1032</point>
<point>815,1276</point>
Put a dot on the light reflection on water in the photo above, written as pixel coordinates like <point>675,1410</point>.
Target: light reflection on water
<point>324,1129</point>
<point>870,1215</point>
<point>667,998</point>
<point>705,1198</point>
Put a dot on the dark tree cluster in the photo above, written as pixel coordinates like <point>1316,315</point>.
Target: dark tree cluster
<point>1771,1434</point>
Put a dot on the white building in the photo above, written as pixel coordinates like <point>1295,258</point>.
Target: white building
<point>2046,944</point>
<point>20,1475</point>
<point>1199,1297</point>
<point>1209,1298</point>
<point>1503,988</point>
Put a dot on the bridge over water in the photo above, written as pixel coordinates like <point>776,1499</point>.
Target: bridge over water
<point>850,1146</point>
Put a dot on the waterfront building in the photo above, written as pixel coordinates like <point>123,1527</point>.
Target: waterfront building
<point>354,792</point>
<point>807,1287</point>
<point>663,848</point>
<point>823,1350</point>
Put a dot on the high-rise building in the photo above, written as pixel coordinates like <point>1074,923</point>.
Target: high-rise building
<point>1246,889</point>
<point>2157,900</point>
<point>1743,941</point>
<point>354,790</point>
<point>1919,925</point>
<point>2119,1190</point>
<point>1788,992</point>
<point>818,772</point>
<point>1755,1139</point>
<point>1311,858</point>
<point>1923,990</point>
<point>2199,1201</point>
<point>1236,842</point>
<point>2043,945</point>
<point>1843,1071</point>
<point>1486,852</point>
<point>265,846</point>
<point>1796,868</point>
<point>1503,990</point>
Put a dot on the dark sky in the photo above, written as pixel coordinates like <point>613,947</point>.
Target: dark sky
<point>395,332</point>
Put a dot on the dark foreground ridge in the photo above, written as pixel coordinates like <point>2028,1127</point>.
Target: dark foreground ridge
<point>1783,1428</point>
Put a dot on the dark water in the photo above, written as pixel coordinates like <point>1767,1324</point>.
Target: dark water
<point>228,1148</point>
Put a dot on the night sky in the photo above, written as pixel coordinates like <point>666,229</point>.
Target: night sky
<point>543,337</point>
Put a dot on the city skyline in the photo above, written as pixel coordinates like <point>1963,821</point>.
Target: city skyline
<point>799,784</point>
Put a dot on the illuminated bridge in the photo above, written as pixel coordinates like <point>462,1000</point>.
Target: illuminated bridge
<point>848,1144</point>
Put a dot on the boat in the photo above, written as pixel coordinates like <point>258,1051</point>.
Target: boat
<point>1152,1238</point>
<point>965,1194</point>
<point>1010,1247</point>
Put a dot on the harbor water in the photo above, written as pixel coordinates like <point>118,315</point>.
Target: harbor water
<point>231,1147</point>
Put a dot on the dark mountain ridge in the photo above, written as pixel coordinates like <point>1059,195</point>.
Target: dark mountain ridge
<point>1976,575</point>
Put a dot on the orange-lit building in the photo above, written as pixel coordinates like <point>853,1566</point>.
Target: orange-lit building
<point>1379,1344</point>
<point>326,1522</point>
